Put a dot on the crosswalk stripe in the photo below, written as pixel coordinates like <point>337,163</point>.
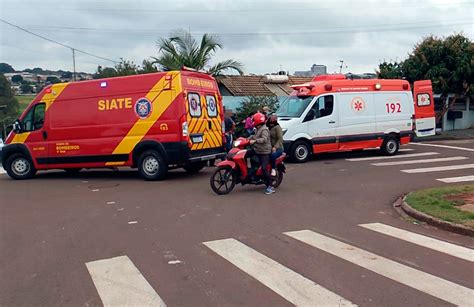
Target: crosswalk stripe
<point>457,179</point>
<point>434,244</point>
<point>287,283</point>
<point>419,161</point>
<point>408,276</point>
<point>406,149</point>
<point>393,157</point>
<point>443,146</point>
<point>438,168</point>
<point>120,283</point>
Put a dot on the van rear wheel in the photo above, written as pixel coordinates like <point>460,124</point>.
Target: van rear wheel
<point>390,146</point>
<point>152,166</point>
<point>19,167</point>
<point>300,152</point>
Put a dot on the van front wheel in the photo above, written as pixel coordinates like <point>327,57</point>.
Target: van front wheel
<point>19,167</point>
<point>390,146</point>
<point>300,152</point>
<point>152,166</point>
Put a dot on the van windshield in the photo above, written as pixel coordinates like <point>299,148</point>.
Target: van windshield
<point>294,106</point>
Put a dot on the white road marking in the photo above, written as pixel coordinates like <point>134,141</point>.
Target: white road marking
<point>287,283</point>
<point>2,170</point>
<point>132,222</point>
<point>394,157</point>
<point>444,146</point>
<point>405,149</point>
<point>437,245</point>
<point>120,283</point>
<point>420,161</point>
<point>438,168</point>
<point>457,179</point>
<point>403,274</point>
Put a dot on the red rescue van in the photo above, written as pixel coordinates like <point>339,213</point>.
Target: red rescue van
<point>152,122</point>
<point>332,113</point>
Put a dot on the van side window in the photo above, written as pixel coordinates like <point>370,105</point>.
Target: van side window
<point>194,101</point>
<point>324,106</point>
<point>211,106</point>
<point>34,119</point>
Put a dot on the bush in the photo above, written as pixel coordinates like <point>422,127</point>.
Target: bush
<point>252,104</point>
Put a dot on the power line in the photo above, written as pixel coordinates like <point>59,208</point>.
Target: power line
<point>56,42</point>
<point>334,30</point>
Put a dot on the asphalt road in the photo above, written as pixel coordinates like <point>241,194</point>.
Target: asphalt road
<point>107,237</point>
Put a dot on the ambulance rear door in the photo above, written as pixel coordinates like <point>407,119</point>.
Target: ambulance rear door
<point>424,117</point>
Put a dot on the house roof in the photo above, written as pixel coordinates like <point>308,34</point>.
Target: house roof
<point>258,86</point>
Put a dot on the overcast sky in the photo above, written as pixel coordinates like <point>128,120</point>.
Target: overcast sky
<point>264,35</point>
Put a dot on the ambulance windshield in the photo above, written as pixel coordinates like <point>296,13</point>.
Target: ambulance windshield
<point>294,106</point>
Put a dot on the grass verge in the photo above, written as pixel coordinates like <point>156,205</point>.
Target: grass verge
<point>444,203</point>
<point>24,101</point>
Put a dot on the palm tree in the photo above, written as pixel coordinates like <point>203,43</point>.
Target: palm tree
<point>181,49</point>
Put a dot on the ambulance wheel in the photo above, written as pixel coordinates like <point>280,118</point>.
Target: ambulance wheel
<point>152,166</point>
<point>223,180</point>
<point>390,146</point>
<point>195,167</point>
<point>300,152</point>
<point>20,167</point>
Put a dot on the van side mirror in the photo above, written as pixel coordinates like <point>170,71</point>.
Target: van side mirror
<point>17,126</point>
<point>310,116</point>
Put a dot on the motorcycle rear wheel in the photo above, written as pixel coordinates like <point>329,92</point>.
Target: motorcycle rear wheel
<point>223,180</point>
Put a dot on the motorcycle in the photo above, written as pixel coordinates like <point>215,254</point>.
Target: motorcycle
<point>240,168</point>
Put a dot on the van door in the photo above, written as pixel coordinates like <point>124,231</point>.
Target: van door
<point>35,133</point>
<point>425,120</point>
<point>321,120</point>
<point>204,121</point>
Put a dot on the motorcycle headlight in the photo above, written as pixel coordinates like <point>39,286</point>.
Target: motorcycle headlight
<point>236,143</point>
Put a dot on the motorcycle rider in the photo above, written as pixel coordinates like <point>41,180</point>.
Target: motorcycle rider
<point>262,147</point>
<point>276,139</point>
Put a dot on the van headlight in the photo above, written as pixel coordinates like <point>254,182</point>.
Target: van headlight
<point>284,131</point>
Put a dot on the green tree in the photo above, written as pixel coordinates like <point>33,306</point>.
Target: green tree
<point>53,79</point>
<point>147,67</point>
<point>106,72</point>
<point>182,49</point>
<point>448,62</point>
<point>26,88</point>
<point>17,79</point>
<point>6,68</point>
<point>252,104</point>
<point>389,70</point>
<point>126,68</point>
<point>9,107</point>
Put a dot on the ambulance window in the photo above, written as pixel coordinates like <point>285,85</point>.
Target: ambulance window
<point>211,106</point>
<point>194,101</point>
<point>34,119</point>
<point>423,100</point>
<point>323,106</point>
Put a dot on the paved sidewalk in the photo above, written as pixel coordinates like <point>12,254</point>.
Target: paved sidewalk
<point>449,135</point>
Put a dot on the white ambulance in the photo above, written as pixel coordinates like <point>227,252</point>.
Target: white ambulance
<point>332,113</point>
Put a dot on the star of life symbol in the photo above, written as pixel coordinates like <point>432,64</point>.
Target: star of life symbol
<point>358,104</point>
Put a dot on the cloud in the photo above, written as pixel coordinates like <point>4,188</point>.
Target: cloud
<point>263,35</point>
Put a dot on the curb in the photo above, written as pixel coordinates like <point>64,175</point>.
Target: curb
<point>401,205</point>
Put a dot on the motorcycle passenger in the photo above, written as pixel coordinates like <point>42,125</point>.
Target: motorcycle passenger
<point>276,140</point>
<point>262,147</point>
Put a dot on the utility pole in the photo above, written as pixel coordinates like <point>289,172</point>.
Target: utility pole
<point>74,64</point>
<point>340,66</point>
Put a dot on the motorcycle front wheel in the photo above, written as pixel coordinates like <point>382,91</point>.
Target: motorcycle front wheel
<point>223,180</point>
<point>278,178</point>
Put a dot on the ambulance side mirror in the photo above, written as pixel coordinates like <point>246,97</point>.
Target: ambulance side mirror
<point>17,126</point>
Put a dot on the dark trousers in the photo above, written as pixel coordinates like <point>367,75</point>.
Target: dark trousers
<point>264,160</point>
<point>229,139</point>
<point>275,155</point>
